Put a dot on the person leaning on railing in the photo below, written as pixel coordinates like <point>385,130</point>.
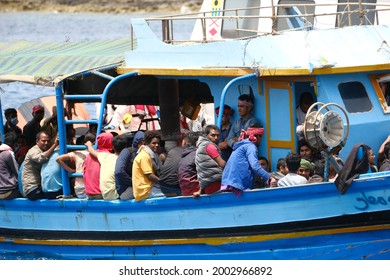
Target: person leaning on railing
<point>243,163</point>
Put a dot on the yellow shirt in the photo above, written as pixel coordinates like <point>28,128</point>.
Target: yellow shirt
<point>141,167</point>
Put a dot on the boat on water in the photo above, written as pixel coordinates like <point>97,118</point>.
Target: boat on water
<point>273,50</point>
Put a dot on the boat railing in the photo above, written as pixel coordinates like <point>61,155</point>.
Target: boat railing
<point>256,21</point>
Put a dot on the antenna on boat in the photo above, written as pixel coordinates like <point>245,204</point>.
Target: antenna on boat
<point>324,131</point>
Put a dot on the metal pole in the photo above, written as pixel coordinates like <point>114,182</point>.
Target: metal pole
<point>62,136</point>
<point>165,31</point>
<point>105,93</point>
<point>168,93</point>
<point>361,12</point>
<point>203,21</point>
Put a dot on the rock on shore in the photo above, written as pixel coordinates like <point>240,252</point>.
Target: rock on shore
<point>100,6</point>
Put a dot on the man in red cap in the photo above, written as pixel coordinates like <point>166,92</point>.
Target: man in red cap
<point>31,129</point>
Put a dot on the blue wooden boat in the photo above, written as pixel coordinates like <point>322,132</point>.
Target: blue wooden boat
<point>274,51</point>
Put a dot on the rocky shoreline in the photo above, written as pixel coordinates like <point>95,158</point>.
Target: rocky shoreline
<point>100,6</point>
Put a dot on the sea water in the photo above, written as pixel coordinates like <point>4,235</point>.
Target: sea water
<point>62,27</point>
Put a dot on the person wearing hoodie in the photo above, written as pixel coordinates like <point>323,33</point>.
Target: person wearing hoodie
<point>107,162</point>
<point>91,170</point>
<point>124,165</point>
<point>243,164</point>
<point>188,177</point>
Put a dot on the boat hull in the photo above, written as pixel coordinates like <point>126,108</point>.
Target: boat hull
<point>358,243</point>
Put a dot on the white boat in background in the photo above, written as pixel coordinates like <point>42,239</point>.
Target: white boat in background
<point>274,50</point>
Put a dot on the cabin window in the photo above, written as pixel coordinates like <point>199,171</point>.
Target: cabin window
<point>355,97</point>
<point>382,88</point>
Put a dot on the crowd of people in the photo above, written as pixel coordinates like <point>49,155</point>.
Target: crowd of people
<point>207,161</point>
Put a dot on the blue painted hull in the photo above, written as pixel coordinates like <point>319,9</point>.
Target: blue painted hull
<point>303,222</point>
<point>363,246</point>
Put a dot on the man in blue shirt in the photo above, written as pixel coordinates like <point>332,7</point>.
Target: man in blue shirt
<point>226,125</point>
<point>243,165</point>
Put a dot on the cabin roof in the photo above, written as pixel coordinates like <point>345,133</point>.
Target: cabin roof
<point>47,63</point>
<point>325,51</point>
